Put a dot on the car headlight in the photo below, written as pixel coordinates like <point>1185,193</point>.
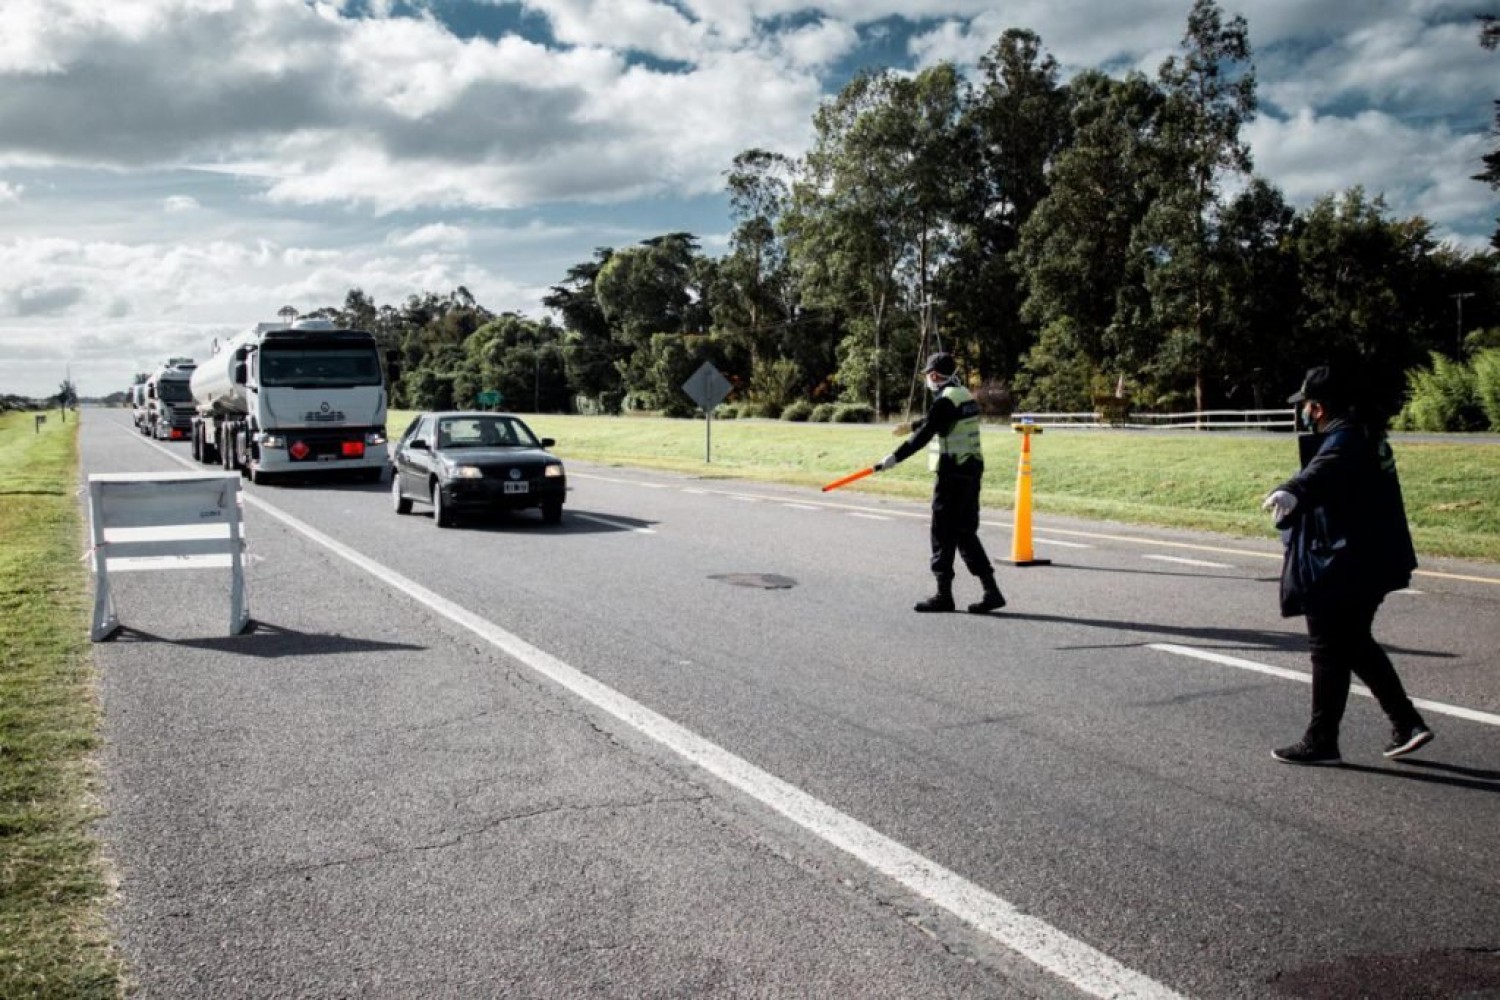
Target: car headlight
<point>467,472</point>
<point>272,441</point>
<point>553,471</point>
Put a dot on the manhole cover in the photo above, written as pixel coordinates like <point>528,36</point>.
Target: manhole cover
<point>764,581</point>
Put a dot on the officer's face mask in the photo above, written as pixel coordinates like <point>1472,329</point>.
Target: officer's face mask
<point>935,382</point>
<point>1305,417</point>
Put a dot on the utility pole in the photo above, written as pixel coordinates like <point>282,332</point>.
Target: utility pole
<point>1458,344</point>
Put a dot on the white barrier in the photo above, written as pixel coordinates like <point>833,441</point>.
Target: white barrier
<point>150,521</point>
<point>1281,419</point>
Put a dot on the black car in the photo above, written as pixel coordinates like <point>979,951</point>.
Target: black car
<point>475,462</point>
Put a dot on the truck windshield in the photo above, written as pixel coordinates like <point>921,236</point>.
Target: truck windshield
<point>309,367</point>
<point>173,391</point>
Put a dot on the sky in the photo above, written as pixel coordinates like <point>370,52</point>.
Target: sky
<point>174,171</point>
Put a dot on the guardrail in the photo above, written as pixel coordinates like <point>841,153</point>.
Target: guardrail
<point>1284,419</point>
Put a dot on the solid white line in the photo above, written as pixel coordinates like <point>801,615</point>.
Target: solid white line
<point>1189,562</point>
<point>869,517</point>
<point>801,506</point>
<point>1441,708</point>
<point>1065,957</point>
<point>613,524</point>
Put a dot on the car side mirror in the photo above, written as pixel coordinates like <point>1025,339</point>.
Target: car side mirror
<point>548,442</point>
<point>417,445</point>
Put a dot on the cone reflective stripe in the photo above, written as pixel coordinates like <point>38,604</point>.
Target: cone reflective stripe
<point>845,481</point>
<point>1021,553</point>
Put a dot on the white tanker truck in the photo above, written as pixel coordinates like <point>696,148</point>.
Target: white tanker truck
<point>304,398</point>
<point>169,404</point>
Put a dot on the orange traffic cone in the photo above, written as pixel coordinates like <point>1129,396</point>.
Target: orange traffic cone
<point>1021,553</point>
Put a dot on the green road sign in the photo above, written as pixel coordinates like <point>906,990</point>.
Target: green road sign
<point>490,397</point>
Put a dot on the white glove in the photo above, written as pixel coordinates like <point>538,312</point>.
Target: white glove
<point>1280,503</point>
<point>889,462</point>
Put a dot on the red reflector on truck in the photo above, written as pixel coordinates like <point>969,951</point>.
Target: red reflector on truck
<point>175,435</point>
<point>354,449</point>
<point>300,450</point>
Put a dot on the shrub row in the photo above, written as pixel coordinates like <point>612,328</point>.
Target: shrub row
<point>800,411</point>
<point>1452,396</point>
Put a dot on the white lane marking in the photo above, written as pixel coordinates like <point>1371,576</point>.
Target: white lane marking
<point>802,506</point>
<point>607,522</point>
<point>870,517</point>
<point>743,497</point>
<point>1064,545</point>
<point>1103,537</point>
<point>1065,957</point>
<point>1441,708</point>
<point>1409,592</point>
<point>1189,562</point>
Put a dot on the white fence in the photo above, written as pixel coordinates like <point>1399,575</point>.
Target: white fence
<point>1284,419</point>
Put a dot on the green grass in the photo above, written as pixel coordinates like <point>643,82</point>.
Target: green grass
<point>1199,481</point>
<point>53,890</point>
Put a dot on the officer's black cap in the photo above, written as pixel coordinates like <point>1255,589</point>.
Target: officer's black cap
<point>1321,384</point>
<point>942,362</point>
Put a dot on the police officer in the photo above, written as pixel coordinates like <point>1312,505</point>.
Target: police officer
<point>950,432</point>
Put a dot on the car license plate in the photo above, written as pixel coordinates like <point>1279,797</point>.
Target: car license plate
<point>518,487</point>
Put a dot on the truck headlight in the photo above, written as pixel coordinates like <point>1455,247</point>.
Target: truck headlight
<point>272,441</point>
<point>467,472</point>
<point>374,438</point>
<point>553,471</point>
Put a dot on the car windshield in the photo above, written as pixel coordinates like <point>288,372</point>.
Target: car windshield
<point>332,366</point>
<point>484,432</point>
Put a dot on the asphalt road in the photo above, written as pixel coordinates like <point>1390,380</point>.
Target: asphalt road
<point>693,742</point>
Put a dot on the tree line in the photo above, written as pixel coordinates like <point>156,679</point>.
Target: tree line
<point>1100,241</point>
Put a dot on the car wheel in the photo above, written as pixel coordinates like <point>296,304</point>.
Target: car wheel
<point>399,503</point>
<point>552,512</point>
<point>440,514</point>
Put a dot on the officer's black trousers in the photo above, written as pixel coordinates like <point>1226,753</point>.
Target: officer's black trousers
<point>955,525</point>
<point>1341,643</point>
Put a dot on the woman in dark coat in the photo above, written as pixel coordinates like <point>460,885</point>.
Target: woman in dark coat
<point>1348,545</point>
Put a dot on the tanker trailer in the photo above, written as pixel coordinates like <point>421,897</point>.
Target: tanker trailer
<point>302,399</point>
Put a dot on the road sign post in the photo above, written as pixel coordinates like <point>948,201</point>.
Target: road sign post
<point>707,387</point>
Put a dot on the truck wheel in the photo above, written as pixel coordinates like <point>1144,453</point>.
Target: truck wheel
<point>441,516</point>
<point>552,511</point>
<point>399,503</point>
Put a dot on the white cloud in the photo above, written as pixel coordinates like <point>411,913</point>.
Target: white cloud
<point>180,203</point>
<point>10,192</point>
<point>439,234</point>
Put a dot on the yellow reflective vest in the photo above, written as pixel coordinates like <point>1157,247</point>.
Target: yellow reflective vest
<point>962,440</point>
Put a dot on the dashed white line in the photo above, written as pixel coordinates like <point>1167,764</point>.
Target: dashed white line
<point>1189,562</point>
<point>870,517</point>
<point>1441,708</point>
<point>1063,545</point>
<point>802,506</point>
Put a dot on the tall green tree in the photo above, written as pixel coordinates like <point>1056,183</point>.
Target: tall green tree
<point>1209,96</point>
<point>1489,38</point>
<point>872,216</point>
<point>1019,117</point>
<point>1075,256</point>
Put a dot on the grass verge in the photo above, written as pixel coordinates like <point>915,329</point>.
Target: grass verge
<point>54,941</point>
<point>1208,482</point>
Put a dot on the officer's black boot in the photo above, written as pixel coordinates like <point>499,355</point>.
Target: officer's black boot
<point>992,600</point>
<point>941,601</point>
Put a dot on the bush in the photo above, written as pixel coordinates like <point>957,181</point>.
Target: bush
<point>1442,398</point>
<point>854,413</point>
<point>822,413</point>
<point>799,411</point>
<point>1486,366</point>
<point>727,411</point>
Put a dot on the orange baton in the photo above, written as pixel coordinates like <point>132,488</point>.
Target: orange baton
<point>862,473</point>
